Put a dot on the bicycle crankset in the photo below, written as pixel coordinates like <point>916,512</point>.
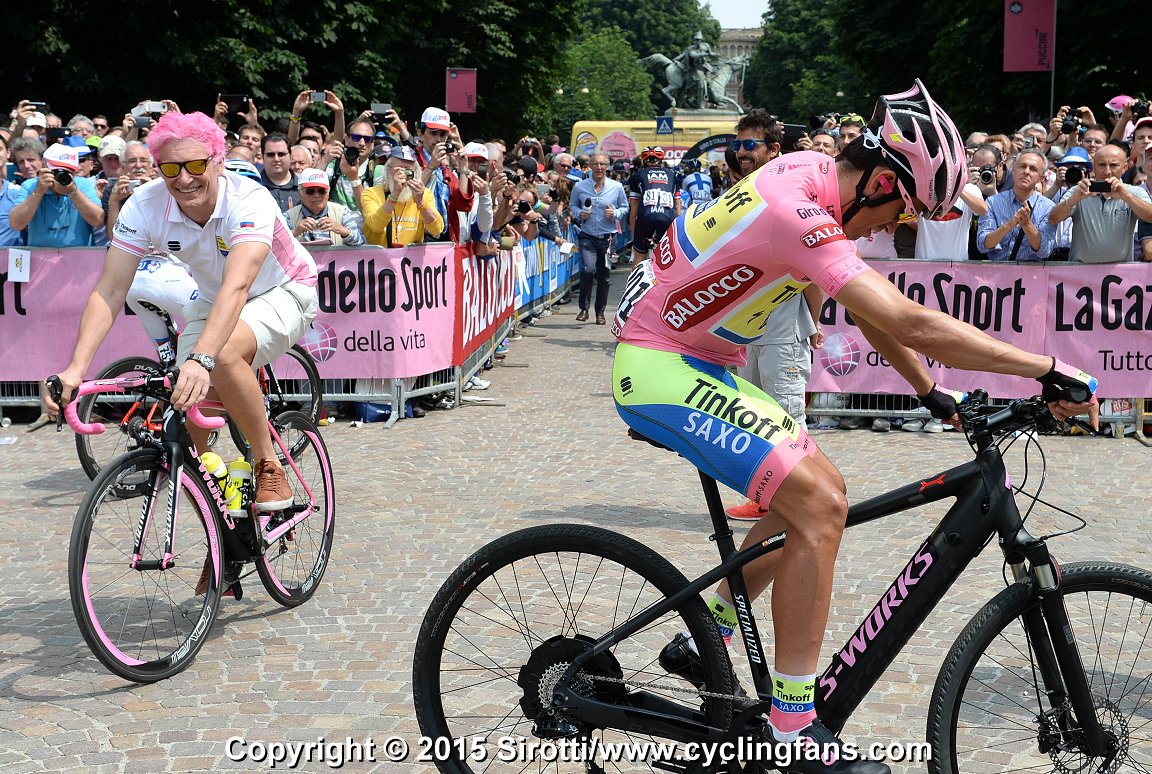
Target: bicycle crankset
<point>542,672</point>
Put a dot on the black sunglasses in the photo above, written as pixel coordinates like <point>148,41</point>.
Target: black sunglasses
<point>361,137</point>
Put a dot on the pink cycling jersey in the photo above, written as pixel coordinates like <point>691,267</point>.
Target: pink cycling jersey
<point>725,265</point>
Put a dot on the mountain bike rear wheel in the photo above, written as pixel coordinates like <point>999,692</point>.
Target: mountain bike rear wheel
<point>144,623</point>
<point>111,409</point>
<point>989,710</point>
<point>292,566</point>
<point>506,623</point>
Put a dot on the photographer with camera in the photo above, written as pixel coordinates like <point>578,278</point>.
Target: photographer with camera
<point>987,170</point>
<point>1070,170</point>
<point>1067,125</point>
<point>436,145</point>
<point>135,170</point>
<point>308,98</point>
<point>349,167</point>
<point>1016,226</point>
<point>58,208</point>
<point>400,210</point>
<point>1131,110</point>
<point>1102,231</point>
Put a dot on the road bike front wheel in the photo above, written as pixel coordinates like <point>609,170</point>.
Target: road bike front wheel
<point>292,566</point>
<point>142,622</point>
<point>989,711</point>
<point>111,410</point>
<point>504,626</point>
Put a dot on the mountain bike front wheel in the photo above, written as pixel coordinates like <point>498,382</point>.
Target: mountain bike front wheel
<point>142,622</point>
<point>504,626</point>
<point>989,710</point>
<point>292,566</point>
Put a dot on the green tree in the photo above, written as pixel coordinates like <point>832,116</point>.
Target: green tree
<point>795,72</point>
<point>653,26</point>
<point>601,79</point>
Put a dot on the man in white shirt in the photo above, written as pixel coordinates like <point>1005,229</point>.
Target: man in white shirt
<point>257,284</point>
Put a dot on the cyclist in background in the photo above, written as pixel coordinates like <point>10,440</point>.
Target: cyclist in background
<point>697,184</point>
<point>687,314</point>
<point>654,203</point>
<point>257,283</point>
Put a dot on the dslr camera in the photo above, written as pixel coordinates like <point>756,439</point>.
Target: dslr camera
<point>352,155</point>
<point>1071,121</point>
<point>62,176</point>
<point>450,147</point>
<point>988,174</point>
<point>1074,174</point>
<point>513,176</point>
<point>1140,109</point>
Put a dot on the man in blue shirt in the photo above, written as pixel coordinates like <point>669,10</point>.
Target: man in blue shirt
<point>8,236</point>
<point>599,203</point>
<point>1016,226</point>
<point>58,208</point>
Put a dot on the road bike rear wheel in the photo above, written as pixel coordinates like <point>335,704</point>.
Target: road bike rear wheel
<point>111,409</point>
<point>144,623</point>
<point>503,627</point>
<point>292,566</point>
<point>986,709</point>
<point>300,386</point>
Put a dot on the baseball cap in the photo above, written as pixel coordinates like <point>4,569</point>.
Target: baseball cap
<point>435,118</point>
<point>313,177</point>
<point>476,150</point>
<point>1117,103</point>
<point>78,142</point>
<point>403,152</point>
<point>37,119</point>
<point>60,156</point>
<point>112,146</point>
<point>1145,121</point>
<point>1076,155</point>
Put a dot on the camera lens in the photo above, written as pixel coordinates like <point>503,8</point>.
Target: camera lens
<point>987,174</point>
<point>1074,175</point>
<point>62,176</point>
<point>351,154</point>
<point>523,207</point>
<point>1068,126</point>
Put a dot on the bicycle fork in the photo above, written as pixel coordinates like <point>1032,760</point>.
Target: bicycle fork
<point>1053,644</point>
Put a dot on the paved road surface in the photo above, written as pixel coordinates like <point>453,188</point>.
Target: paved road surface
<point>413,501</point>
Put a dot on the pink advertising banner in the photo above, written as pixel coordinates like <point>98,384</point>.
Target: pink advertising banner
<point>1096,317</point>
<point>383,313</point>
<point>1029,35</point>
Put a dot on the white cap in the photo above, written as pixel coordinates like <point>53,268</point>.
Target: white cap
<point>62,157</point>
<point>435,118</point>
<point>312,177</point>
<point>476,150</point>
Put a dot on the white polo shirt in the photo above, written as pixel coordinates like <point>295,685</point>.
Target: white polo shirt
<point>245,212</point>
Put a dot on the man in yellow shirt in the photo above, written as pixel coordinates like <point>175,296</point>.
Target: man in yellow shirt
<point>400,210</point>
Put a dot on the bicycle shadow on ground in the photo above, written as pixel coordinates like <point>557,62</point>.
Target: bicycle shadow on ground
<point>67,485</point>
<point>629,519</point>
<point>46,658</point>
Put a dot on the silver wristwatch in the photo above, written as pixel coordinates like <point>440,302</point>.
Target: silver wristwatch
<point>207,361</point>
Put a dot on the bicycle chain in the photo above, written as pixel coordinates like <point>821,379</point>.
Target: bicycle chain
<point>669,688</point>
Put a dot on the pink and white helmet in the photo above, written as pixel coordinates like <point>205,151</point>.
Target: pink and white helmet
<point>922,146</point>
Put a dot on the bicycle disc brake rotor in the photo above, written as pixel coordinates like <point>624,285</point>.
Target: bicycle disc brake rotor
<point>540,675</point>
<point>1072,759</point>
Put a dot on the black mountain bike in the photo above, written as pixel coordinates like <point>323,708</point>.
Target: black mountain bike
<point>551,634</point>
<point>290,383</point>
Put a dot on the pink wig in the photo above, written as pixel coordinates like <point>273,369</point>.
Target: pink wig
<point>186,126</point>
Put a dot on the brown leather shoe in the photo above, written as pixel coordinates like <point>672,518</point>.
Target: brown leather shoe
<point>599,319</point>
<point>582,316</point>
<point>272,490</point>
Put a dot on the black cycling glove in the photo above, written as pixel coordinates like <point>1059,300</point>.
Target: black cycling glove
<point>941,404</point>
<point>1064,382</point>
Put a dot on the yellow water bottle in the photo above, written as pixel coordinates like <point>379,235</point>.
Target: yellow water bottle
<point>239,474</point>
<point>214,465</point>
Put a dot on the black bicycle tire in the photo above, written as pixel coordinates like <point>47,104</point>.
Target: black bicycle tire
<point>88,458</point>
<point>1000,613</point>
<point>276,408</point>
<point>183,655</point>
<point>550,539</point>
<point>291,595</point>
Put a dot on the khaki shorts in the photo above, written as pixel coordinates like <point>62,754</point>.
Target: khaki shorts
<point>278,318</point>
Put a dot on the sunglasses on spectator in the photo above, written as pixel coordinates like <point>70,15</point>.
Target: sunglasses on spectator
<point>316,191</point>
<point>854,117</point>
<point>562,164</point>
<point>361,137</point>
<point>278,155</point>
<point>194,167</point>
<point>101,126</point>
<point>748,145</point>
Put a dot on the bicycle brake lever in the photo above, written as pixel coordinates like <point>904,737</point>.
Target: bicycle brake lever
<point>1080,423</point>
<point>56,390</point>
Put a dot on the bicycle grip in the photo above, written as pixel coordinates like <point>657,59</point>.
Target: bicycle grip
<point>87,388</point>
<point>206,422</point>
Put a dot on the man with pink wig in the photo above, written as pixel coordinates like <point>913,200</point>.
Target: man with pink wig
<point>257,283</point>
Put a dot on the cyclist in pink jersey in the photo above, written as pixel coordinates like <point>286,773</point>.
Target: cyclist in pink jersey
<point>688,312</point>
<point>257,284</point>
